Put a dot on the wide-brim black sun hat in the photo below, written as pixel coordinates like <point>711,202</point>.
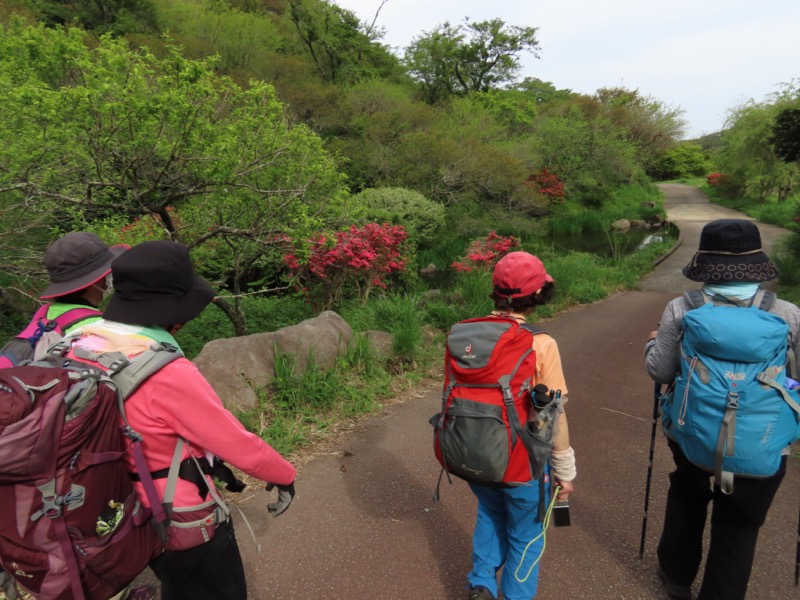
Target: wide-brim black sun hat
<point>730,250</point>
<point>155,284</point>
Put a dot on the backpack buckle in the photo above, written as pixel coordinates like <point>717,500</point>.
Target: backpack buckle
<point>51,502</point>
<point>733,401</point>
<point>132,434</point>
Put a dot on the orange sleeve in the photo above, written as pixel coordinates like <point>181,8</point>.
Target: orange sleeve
<point>548,363</point>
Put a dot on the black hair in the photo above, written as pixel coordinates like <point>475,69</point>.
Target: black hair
<point>520,305</point>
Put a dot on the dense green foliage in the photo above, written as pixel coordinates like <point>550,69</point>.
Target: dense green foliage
<point>682,161</point>
<point>137,139</point>
<point>247,128</point>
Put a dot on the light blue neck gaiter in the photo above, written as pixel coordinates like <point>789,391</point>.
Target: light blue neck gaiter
<point>740,290</point>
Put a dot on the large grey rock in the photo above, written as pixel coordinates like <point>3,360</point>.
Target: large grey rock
<point>380,343</point>
<point>621,225</point>
<point>237,367</point>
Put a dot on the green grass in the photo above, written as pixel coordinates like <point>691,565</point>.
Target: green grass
<point>770,211</point>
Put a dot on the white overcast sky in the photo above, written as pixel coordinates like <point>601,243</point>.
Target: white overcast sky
<point>704,56</point>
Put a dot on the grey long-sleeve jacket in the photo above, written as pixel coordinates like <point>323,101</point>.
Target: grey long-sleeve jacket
<point>662,357</point>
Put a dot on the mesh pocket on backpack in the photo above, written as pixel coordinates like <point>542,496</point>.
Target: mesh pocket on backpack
<point>475,441</point>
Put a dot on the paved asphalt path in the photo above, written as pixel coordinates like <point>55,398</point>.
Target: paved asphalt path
<point>363,524</point>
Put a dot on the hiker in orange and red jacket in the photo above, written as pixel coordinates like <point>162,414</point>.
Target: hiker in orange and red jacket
<point>507,518</point>
<point>176,411</point>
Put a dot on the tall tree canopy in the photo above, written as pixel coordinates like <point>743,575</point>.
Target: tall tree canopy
<point>107,138</point>
<point>469,57</point>
<point>340,45</point>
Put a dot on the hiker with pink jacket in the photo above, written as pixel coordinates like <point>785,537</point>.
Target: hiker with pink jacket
<point>180,416</point>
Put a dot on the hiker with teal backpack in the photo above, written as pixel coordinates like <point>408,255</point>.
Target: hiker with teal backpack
<point>78,265</point>
<point>183,424</point>
<point>503,429</point>
<point>728,353</point>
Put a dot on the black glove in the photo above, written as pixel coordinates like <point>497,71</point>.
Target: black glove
<point>285,496</point>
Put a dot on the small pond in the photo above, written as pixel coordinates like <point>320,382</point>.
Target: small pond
<point>613,244</point>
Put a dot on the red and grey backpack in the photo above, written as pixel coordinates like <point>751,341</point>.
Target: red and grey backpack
<point>486,432</point>
<point>42,332</point>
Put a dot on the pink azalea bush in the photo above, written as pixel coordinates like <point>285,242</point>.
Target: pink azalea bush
<point>483,253</point>
<point>358,258</point>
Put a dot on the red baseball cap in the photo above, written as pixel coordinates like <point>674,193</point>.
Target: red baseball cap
<point>519,274</point>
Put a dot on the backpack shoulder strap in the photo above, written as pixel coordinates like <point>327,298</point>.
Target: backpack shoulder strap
<point>130,374</point>
<point>695,298</point>
<point>532,328</point>
<point>764,299</point>
<point>72,317</point>
<point>65,320</point>
<point>30,329</point>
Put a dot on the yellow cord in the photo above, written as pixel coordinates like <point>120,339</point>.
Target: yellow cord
<point>542,535</point>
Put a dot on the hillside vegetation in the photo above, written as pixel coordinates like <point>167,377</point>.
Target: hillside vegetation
<point>308,167</point>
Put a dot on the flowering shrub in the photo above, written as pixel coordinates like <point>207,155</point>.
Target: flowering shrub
<point>482,254</point>
<point>362,258</point>
<point>547,184</point>
<point>715,179</point>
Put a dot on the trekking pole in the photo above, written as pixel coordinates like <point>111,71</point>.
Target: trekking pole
<point>797,555</point>
<point>656,398</point>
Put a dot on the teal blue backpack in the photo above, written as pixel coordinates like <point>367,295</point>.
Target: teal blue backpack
<point>729,410</point>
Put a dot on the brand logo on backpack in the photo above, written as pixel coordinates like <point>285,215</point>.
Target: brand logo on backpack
<point>468,355</point>
<point>735,376</point>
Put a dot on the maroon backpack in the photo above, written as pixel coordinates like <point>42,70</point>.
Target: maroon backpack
<point>72,527</point>
<point>23,346</point>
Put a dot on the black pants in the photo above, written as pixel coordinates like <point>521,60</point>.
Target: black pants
<point>735,521</point>
<point>211,571</point>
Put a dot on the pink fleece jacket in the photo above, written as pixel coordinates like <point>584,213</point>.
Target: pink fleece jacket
<point>179,402</point>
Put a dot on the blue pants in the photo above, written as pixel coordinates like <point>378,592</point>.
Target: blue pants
<point>507,522</point>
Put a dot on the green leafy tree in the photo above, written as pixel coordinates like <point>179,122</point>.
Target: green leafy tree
<point>684,160</point>
<point>337,43</point>
<point>649,124</point>
<point>470,57</point>
<point>99,137</point>
<point>786,134</point>
<point>541,91</point>
<point>746,155</point>
<point>380,131</point>
<point>586,151</point>
<point>103,16</point>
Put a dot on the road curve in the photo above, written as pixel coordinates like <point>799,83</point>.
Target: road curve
<point>363,524</point>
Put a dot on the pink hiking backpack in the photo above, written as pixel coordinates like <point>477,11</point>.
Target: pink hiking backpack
<point>42,332</point>
<point>72,527</point>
